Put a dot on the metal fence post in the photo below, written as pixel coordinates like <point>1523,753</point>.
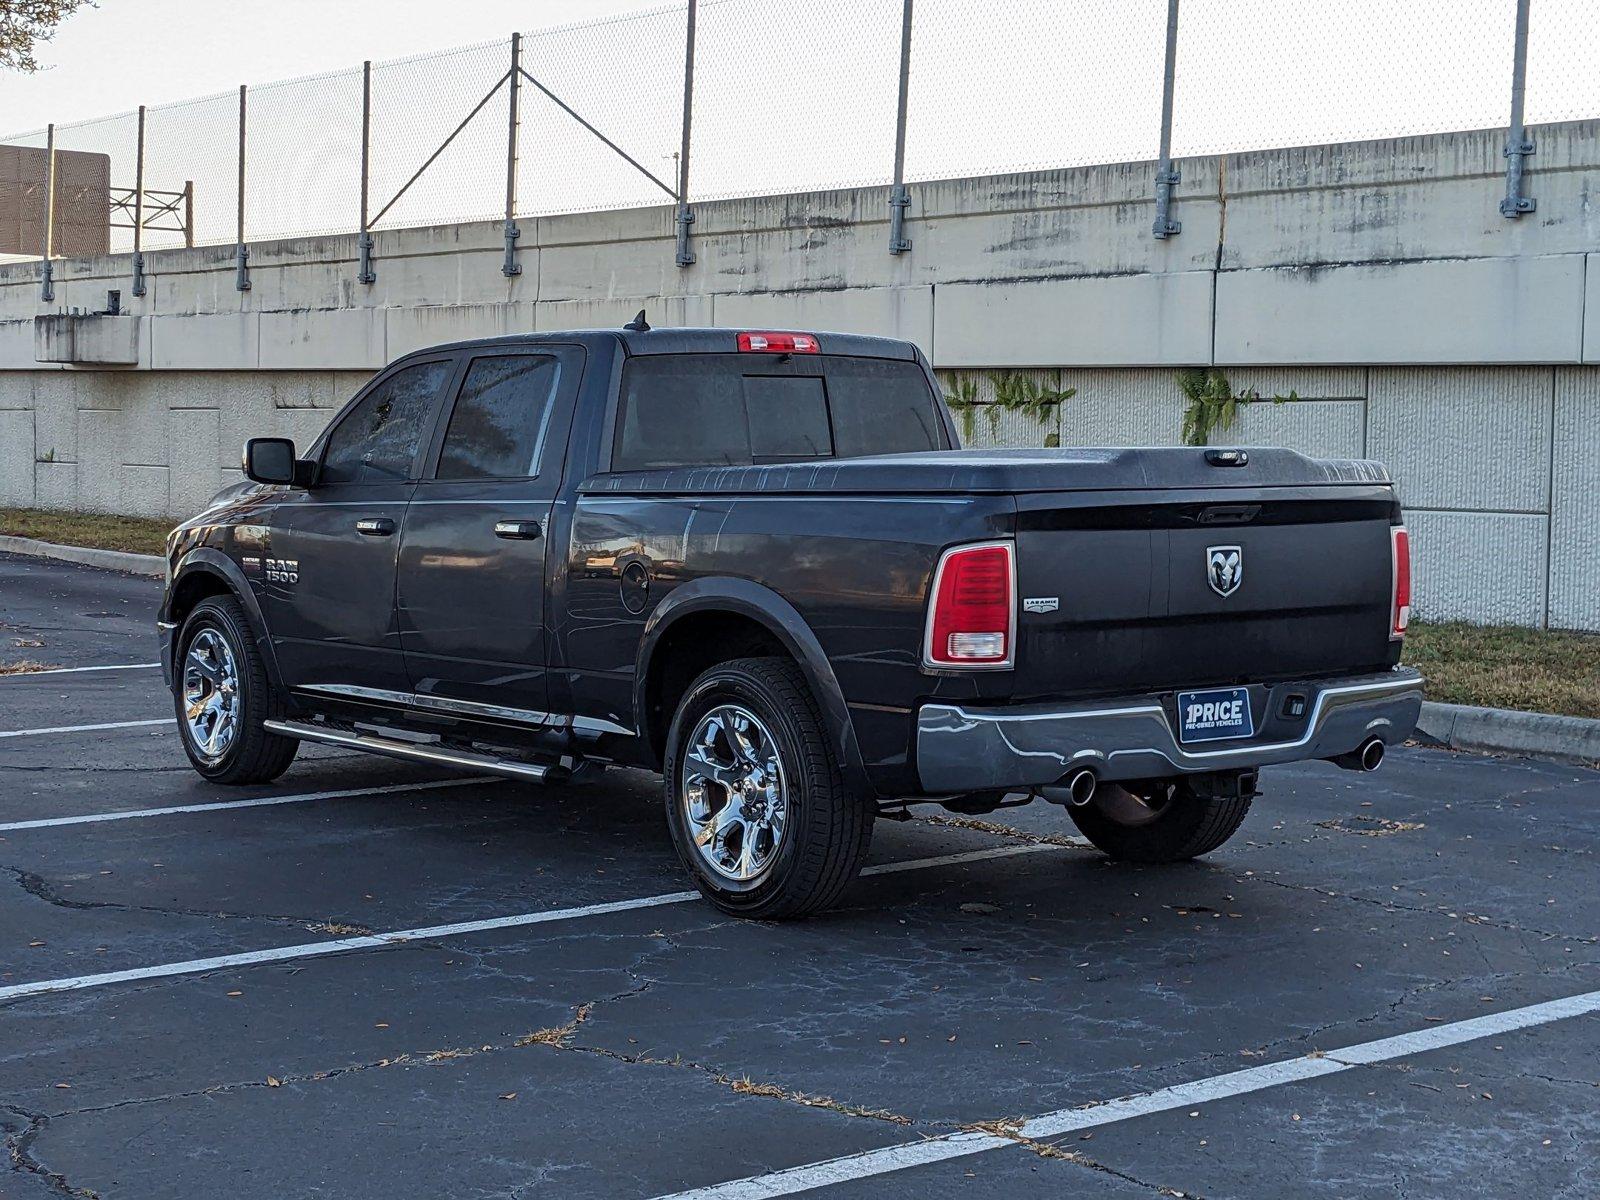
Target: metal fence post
<point>241,251</point>
<point>685,255</point>
<point>47,285</point>
<point>899,196</point>
<point>188,214</point>
<point>1166,177</point>
<point>1518,144</point>
<point>511,266</point>
<point>365,273</point>
<point>138,212</point>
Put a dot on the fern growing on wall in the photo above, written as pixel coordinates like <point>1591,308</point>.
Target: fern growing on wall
<point>1013,392</point>
<point>1212,404</point>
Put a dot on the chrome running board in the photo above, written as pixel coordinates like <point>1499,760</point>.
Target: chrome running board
<point>417,752</point>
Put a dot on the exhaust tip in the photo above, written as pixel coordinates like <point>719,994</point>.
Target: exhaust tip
<point>1366,757</point>
<point>1080,787</point>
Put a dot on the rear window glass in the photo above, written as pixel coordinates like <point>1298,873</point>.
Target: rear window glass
<point>788,417</point>
<point>681,410</point>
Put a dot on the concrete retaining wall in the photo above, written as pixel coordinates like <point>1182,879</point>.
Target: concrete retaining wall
<point>1377,280</point>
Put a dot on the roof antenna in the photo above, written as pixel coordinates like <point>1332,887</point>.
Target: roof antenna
<point>638,324</point>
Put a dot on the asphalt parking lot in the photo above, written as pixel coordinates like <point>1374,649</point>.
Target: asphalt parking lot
<point>372,979</point>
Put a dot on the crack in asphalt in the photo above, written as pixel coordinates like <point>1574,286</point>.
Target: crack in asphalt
<point>39,888</point>
<point>1011,1129</point>
<point>1445,911</point>
<point>19,1150</point>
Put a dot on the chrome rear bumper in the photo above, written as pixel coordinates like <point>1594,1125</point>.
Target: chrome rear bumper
<point>964,749</point>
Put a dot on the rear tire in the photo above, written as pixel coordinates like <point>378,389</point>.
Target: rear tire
<point>756,802</point>
<point>1167,823</point>
<point>222,694</point>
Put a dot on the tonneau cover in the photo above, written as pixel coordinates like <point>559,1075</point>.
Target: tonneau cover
<point>1003,471</point>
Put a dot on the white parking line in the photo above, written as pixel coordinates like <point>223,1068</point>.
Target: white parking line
<point>82,670</point>
<point>197,966</point>
<point>16,733</point>
<point>256,802</point>
<point>872,1163</point>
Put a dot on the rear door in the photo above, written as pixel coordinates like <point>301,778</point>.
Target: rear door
<point>329,572</point>
<point>472,560</point>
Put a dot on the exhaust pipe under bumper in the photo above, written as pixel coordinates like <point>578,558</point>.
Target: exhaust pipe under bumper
<point>1079,789</point>
<point>1366,757</point>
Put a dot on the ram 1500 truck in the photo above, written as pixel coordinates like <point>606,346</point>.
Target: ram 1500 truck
<point>760,564</point>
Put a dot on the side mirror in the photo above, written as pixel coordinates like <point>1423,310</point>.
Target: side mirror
<point>269,460</point>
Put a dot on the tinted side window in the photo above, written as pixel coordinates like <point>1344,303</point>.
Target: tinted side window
<point>882,407</point>
<point>677,412</point>
<point>377,440</point>
<point>788,417</point>
<point>499,419</point>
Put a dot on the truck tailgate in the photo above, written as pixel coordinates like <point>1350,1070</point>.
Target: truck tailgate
<point>1159,590</point>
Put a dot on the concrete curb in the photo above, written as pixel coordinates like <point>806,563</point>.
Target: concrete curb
<point>1507,731</point>
<point>110,560</point>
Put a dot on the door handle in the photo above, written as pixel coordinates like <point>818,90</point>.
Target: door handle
<point>375,526</point>
<point>522,530</point>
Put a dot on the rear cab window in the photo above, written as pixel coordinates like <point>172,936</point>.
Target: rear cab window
<point>691,410</point>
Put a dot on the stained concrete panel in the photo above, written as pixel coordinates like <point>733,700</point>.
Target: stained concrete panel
<point>1575,513</point>
<point>673,311</point>
<point>1132,320</point>
<point>409,329</point>
<point>1464,437</point>
<point>1488,568</point>
<point>16,457</point>
<point>1485,310</point>
<point>216,341</point>
<point>305,339</point>
<point>16,343</point>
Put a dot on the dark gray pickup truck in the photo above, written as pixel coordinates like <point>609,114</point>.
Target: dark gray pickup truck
<point>759,563</point>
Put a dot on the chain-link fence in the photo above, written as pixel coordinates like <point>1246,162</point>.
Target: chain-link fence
<point>725,98</point>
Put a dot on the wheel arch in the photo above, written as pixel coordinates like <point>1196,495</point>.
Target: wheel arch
<point>205,572</point>
<point>743,617</point>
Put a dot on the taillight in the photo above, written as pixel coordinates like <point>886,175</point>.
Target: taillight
<point>972,616</point>
<point>777,343</point>
<point>1400,557</point>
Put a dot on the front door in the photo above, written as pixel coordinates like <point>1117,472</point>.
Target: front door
<point>329,570</point>
<point>472,561</point>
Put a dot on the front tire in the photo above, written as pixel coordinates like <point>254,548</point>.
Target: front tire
<point>222,695</point>
<point>757,805</point>
<point>1164,823</point>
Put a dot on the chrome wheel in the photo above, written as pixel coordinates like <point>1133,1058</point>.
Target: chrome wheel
<point>211,694</point>
<point>733,793</point>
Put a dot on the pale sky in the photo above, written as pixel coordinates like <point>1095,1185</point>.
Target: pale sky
<point>791,95</point>
<point>129,52</point>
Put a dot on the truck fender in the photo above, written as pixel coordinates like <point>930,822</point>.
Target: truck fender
<point>764,606</point>
<point>207,560</point>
